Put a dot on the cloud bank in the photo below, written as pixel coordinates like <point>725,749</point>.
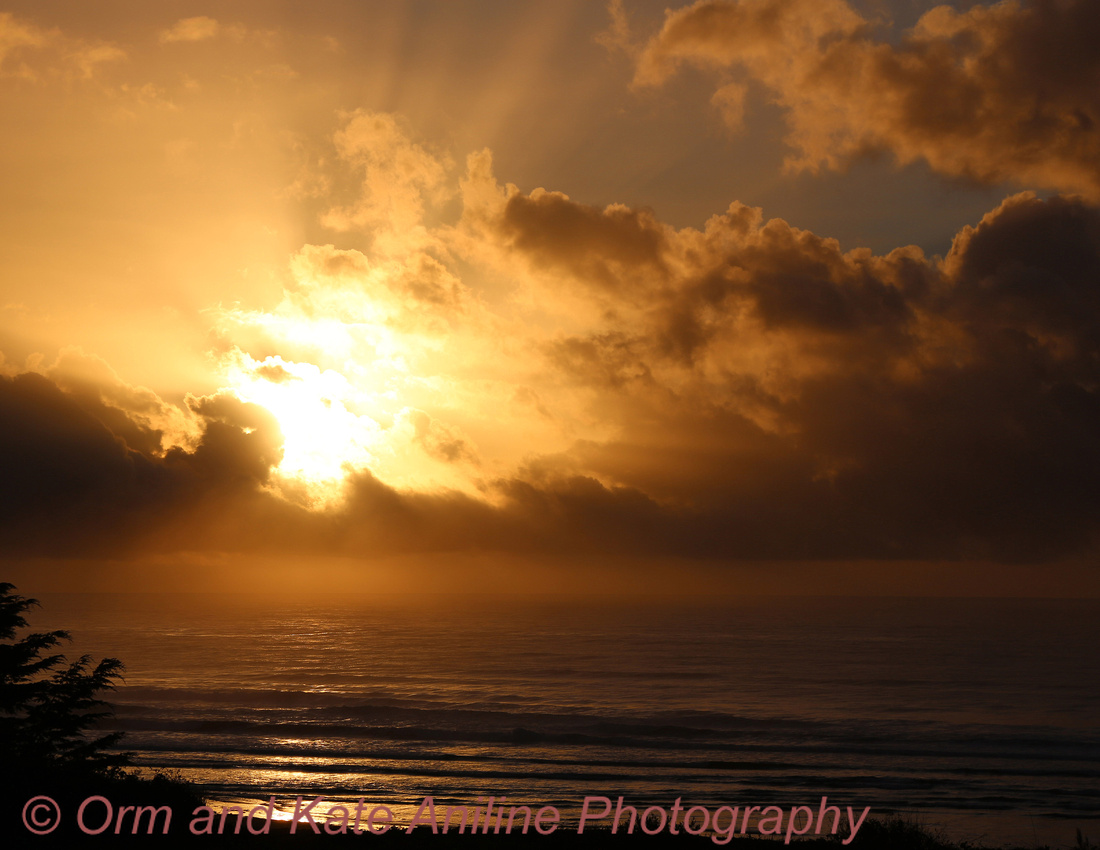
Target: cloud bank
<point>748,390</point>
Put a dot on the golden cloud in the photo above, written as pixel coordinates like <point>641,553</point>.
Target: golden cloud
<point>1006,92</point>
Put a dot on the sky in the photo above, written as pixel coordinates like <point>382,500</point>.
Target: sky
<point>756,296</point>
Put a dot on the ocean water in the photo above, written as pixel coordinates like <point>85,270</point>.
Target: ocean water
<point>980,717</point>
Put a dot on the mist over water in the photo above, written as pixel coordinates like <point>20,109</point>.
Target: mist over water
<point>980,715</point>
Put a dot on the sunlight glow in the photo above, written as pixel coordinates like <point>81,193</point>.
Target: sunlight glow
<point>323,437</point>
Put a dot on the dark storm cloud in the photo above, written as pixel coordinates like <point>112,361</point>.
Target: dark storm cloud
<point>782,398</point>
<point>82,476</point>
<point>595,244</point>
<point>240,443</point>
<point>60,460</point>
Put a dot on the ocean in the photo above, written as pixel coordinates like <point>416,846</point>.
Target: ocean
<point>980,717</point>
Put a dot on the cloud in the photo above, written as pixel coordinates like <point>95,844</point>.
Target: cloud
<point>617,35</point>
<point>33,54</point>
<point>766,396</point>
<point>594,244</point>
<point>439,440</point>
<point>137,415</point>
<point>199,28</point>
<point>778,397</point>
<point>84,477</point>
<point>1005,92</point>
<point>396,180</point>
<point>16,34</point>
<point>544,376</point>
<point>240,442</point>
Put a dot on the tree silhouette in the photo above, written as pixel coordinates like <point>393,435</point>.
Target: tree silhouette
<point>48,706</point>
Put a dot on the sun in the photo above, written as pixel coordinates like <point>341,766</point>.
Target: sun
<point>323,437</point>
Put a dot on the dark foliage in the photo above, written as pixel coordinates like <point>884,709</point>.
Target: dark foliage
<point>48,705</point>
